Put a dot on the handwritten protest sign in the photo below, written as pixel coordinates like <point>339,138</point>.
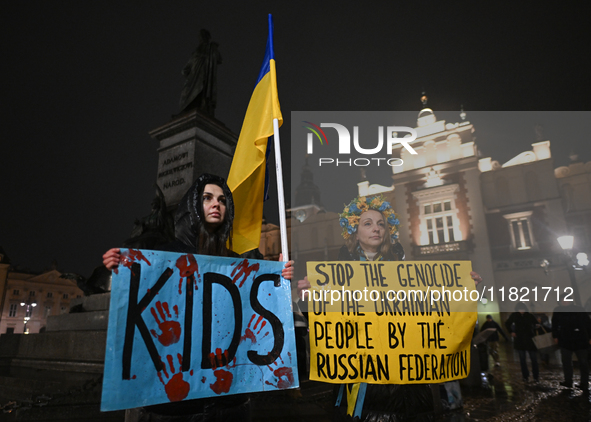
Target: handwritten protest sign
<point>391,322</point>
<point>185,326</point>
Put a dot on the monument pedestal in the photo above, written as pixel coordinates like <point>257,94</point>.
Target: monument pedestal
<point>57,375</point>
<point>191,144</point>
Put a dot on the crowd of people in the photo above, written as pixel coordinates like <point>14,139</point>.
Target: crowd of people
<point>571,332</point>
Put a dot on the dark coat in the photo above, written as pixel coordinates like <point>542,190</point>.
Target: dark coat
<point>572,327</point>
<point>494,336</point>
<point>396,254</point>
<point>525,329</point>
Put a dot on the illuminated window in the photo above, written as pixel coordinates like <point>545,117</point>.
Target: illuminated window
<point>520,230</point>
<point>439,221</point>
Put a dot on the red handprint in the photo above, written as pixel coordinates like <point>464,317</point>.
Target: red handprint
<point>243,270</point>
<point>249,333</point>
<point>176,387</point>
<point>223,381</point>
<point>284,375</point>
<point>282,382</point>
<point>171,330</point>
<point>131,256</point>
<point>188,267</point>
<point>218,358</point>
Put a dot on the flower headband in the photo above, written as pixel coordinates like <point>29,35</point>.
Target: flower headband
<point>349,219</point>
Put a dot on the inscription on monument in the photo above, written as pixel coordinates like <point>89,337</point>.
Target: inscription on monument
<point>175,171</point>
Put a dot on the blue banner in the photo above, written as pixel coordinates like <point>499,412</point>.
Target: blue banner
<point>185,326</point>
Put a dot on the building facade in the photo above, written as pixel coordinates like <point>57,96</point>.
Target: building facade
<point>454,205</point>
<point>30,298</point>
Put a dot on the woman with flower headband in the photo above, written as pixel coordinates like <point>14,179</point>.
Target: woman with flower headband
<point>370,229</point>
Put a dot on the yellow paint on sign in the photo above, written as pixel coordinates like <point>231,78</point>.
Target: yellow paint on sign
<point>391,322</point>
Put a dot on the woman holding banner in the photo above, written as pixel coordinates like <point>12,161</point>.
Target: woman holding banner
<point>203,225</point>
<point>370,229</point>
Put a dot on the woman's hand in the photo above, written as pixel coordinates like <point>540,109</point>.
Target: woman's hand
<point>303,286</point>
<point>476,277</point>
<point>112,258</point>
<point>287,271</point>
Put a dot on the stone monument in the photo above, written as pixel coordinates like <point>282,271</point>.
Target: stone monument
<point>57,375</point>
<point>190,144</point>
<point>194,142</point>
<point>200,90</point>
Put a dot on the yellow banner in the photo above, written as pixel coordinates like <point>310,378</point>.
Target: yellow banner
<point>391,322</point>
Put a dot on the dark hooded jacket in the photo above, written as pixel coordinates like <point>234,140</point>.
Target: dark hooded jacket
<point>189,218</point>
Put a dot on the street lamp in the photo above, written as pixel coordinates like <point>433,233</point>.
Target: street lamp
<point>28,311</point>
<point>566,243</point>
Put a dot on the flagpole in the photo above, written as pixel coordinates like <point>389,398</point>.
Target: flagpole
<point>280,193</point>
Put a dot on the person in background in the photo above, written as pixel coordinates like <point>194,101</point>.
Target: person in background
<point>571,329</point>
<point>544,327</point>
<point>493,340</point>
<point>522,326</point>
<point>370,229</point>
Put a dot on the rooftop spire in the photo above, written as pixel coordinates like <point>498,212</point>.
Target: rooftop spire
<point>426,116</point>
<point>307,193</point>
<point>424,99</point>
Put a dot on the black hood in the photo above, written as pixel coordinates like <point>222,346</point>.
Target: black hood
<point>189,214</point>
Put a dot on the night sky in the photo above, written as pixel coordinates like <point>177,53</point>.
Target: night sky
<point>84,82</point>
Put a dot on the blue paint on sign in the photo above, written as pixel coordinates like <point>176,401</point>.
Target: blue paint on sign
<point>185,326</point>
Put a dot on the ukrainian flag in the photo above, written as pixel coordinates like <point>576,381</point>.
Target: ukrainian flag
<point>247,174</point>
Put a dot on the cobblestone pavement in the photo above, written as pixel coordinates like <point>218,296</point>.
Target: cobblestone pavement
<point>503,396</point>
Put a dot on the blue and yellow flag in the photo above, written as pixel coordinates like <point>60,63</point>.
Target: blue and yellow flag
<point>247,174</point>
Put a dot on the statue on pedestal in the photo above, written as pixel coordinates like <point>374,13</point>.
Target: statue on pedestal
<point>200,87</point>
<point>155,229</point>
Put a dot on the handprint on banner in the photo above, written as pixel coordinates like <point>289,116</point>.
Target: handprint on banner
<point>219,358</point>
<point>188,267</point>
<point>243,270</point>
<point>223,381</point>
<point>249,333</point>
<point>175,386</point>
<point>285,378</point>
<point>170,330</point>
